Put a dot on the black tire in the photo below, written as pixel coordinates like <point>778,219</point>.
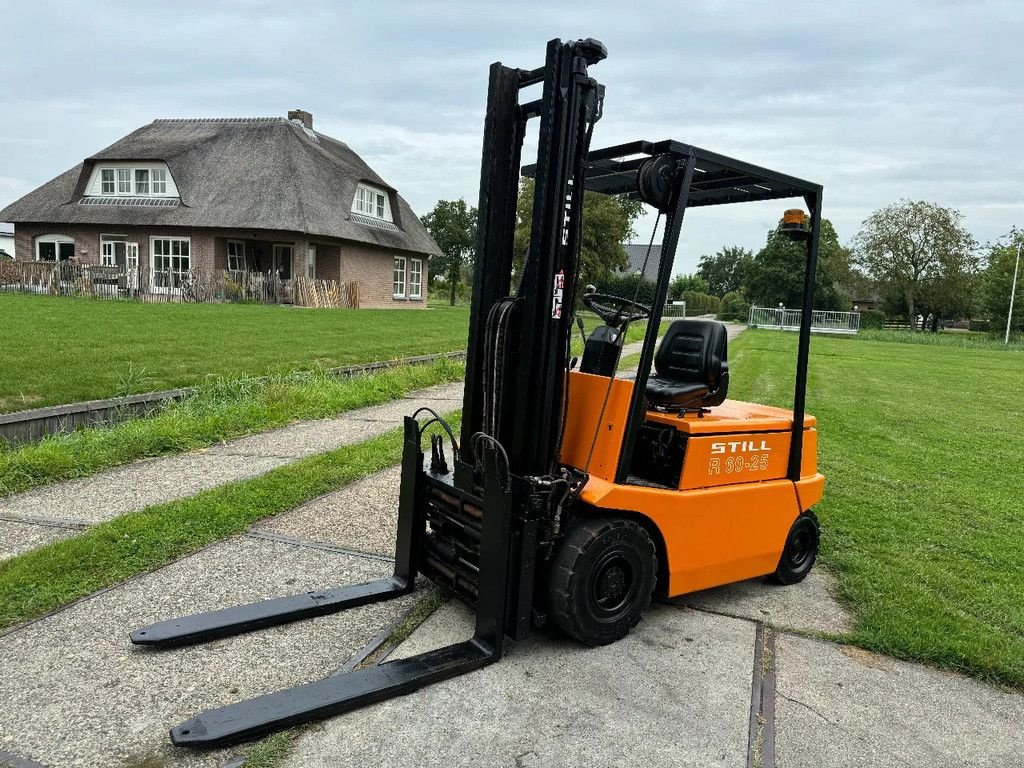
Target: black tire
<point>800,552</point>
<point>601,579</point>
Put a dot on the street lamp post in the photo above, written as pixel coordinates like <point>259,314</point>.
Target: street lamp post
<point>1013,292</point>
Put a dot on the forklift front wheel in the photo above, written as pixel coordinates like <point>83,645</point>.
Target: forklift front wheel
<point>601,580</point>
<point>800,551</point>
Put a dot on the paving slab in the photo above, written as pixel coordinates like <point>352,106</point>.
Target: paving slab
<point>153,481</point>
<point>808,606</point>
<point>361,516</point>
<point>75,692</point>
<point>676,692</point>
<point>135,486</point>
<point>18,537</point>
<point>839,706</point>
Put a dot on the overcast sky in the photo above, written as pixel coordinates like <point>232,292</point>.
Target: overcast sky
<point>874,100</point>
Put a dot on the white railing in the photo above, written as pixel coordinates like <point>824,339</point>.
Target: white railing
<point>674,309</point>
<point>822,320</point>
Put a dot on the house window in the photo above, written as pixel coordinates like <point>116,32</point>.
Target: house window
<point>311,262</point>
<point>398,278</point>
<point>141,181</point>
<point>171,260</point>
<point>107,181</point>
<point>236,256</point>
<point>372,202</point>
<point>124,181</point>
<point>54,248</point>
<point>159,181</point>
<point>112,250</point>
<point>416,279</point>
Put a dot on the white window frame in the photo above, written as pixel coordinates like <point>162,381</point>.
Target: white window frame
<point>372,202</point>
<point>122,178</point>
<point>108,256</point>
<point>240,244</point>
<point>138,182</point>
<point>126,178</point>
<point>311,261</point>
<point>398,278</point>
<point>415,278</point>
<point>57,241</point>
<point>158,176</point>
<point>152,263</point>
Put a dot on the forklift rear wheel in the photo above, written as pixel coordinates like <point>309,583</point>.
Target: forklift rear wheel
<point>800,551</point>
<point>601,580</point>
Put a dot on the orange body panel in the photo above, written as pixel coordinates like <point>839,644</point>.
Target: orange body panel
<point>729,518</point>
<point>586,394</point>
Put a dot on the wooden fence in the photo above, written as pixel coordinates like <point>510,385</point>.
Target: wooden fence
<point>153,286</point>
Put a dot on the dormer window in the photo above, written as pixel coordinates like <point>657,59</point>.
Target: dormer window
<point>124,178</point>
<point>373,202</point>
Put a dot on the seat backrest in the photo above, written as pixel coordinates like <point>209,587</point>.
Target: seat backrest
<point>694,352</point>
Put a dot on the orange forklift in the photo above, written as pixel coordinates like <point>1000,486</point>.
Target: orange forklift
<point>573,495</point>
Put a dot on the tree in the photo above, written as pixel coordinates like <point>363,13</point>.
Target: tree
<point>452,224</point>
<point>776,273</point>
<point>998,281</point>
<point>681,283</point>
<point>921,252</point>
<point>607,223</point>
<point>726,271</point>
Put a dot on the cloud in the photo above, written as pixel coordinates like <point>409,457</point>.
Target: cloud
<point>874,100</point>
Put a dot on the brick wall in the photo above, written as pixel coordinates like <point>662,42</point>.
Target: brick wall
<point>370,266</point>
<point>373,269</point>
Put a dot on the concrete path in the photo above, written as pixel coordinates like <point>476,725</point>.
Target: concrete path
<point>60,510</point>
<point>676,692</point>
<point>75,692</point>
<point>681,691</point>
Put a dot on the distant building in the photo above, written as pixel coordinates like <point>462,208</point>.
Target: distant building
<point>6,241</point>
<point>637,255</point>
<point>250,195</point>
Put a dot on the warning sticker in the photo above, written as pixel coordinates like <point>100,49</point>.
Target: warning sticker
<point>556,297</point>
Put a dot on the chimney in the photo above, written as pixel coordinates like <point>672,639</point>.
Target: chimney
<point>302,116</point>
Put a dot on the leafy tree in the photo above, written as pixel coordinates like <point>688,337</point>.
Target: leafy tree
<point>998,281</point>
<point>607,223</point>
<point>726,271</point>
<point>681,283</point>
<point>920,252</point>
<point>776,273</point>
<point>452,224</point>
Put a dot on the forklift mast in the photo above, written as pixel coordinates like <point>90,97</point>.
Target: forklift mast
<point>518,344</point>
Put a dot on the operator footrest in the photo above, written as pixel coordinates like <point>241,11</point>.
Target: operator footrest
<point>331,696</point>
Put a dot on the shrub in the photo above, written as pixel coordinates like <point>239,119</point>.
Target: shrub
<point>872,318</point>
<point>734,307</point>
<point>701,303</point>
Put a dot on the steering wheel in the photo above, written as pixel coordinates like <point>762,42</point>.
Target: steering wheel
<point>615,310</point>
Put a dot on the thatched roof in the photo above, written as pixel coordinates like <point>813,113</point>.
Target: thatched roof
<point>245,173</point>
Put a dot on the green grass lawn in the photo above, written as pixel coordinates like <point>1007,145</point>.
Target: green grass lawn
<point>218,411</point>
<point>62,350</point>
<point>923,518</point>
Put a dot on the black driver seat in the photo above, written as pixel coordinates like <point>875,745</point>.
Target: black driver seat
<point>692,367</point>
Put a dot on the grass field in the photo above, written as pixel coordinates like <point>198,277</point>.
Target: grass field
<point>922,445</point>
<point>62,350</point>
<point>218,411</point>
